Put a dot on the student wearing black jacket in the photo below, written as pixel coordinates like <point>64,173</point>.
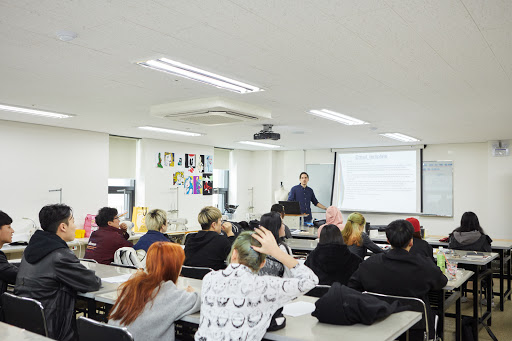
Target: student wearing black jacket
<point>8,271</point>
<point>208,248</point>
<point>331,260</point>
<point>470,235</point>
<point>51,273</point>
<point>398,272</point>
<point>419,246</point>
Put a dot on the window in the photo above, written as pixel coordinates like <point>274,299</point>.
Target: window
<point>121,195</point>
<point>220,188</point>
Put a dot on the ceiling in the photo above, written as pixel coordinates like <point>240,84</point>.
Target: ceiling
<point>438,70</point>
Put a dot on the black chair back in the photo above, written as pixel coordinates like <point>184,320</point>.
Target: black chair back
<point>25,313</point>
<point>413,304</point>
<point>194,271</point>
<point>318,291</point>
<point>91,330</point>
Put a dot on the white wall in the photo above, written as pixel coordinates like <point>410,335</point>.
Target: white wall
<point>122,157</point>
<point>38,158</point>
<point>153,184</point>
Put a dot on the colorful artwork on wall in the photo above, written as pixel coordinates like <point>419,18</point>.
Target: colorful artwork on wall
<point>159,160</point>
<point>200,164</point>
<point>168,159</point>
<point>208,164</point>
<point>190,160</point>
<point>198,184</point>
<point>207,184</point>
<point>178,178</point>
<point>189,185</point>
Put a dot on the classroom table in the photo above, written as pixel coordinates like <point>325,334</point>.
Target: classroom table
<point>307,327</point>
<point>12,333</point>
<point>502,248</point>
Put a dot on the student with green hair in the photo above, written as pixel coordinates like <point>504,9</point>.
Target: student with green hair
<point>355,237</point>
<point>239,304</point>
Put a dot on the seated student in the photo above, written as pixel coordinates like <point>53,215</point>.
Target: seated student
<point>398,272</point>
<point>354,237</point>
<point>8,271</point>
<point>110,236</point>
<point>280,209</point>
<point>239,304</point>
<point>469,235</point>
<point>272,222</point>
<point>156,222</point>
<point>149,302</point>
<point>332,217</point>
<point>208,248</point>
<point>419,246</point>
<point>50,272</point>
<point>331,260</point>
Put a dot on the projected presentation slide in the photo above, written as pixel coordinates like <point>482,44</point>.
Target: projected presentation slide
<point>377,181</point>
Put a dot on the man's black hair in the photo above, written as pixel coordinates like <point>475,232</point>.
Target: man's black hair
<point>303,173</point>
<point>278,208</point>
<point>105,215</point>
<point>399,233</point>
<point>5,219</point>
<point>51,216</point>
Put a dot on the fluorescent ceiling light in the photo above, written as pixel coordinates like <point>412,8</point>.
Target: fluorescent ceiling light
<point>190,72</point>
<point>170,131</point>
<point>400,137</point>
<point>335,116</point>
<point>35,112</point>
<point>259,144</point>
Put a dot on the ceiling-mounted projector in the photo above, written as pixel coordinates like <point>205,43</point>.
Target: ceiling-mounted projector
<point>267,134</point>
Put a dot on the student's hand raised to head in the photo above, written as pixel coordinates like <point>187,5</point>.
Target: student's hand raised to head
<point>267,240</point>
<point>227,228</point>
<point>269,246</point>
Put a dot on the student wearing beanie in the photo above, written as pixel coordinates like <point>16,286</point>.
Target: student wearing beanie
<point>419,247</point>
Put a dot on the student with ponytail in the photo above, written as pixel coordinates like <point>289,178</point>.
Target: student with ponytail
<point>355,237</point>
<point>150,302</point>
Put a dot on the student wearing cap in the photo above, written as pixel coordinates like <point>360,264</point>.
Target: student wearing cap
<point>419,246</point>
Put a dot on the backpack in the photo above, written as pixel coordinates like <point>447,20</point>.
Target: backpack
<point>130,256</point>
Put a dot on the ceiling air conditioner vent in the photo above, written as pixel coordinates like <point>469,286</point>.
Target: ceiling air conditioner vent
<point>210,112</point>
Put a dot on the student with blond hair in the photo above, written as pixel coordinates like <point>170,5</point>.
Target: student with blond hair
<point>237,303</point>
<point>208,248</point>
<point>156,222</point>
<point>355,237</point>
<point>149,302</point>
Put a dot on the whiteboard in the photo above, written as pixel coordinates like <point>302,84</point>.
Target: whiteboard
<point>438,188</point>
<point>320,180</point>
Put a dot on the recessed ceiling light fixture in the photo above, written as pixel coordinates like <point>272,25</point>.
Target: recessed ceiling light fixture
<point>35,112</point>
<point>259,144</point>
<point>335,116</point>
<point>170,131</point>
<point>190,72</point>
<point>400,137</point>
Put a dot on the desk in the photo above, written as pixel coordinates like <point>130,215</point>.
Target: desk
<point>16,251</point>
<point>502,248</point>
<point>293,221</point>
<point>304,245</point>
<point>12,333</point>
<point>307,327</point>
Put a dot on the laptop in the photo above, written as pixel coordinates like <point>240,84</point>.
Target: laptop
<point>291,207</point>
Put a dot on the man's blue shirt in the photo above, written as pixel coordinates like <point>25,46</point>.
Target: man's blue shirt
<point>304,196</point>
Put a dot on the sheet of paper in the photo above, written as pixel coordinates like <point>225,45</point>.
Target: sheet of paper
<point>298,309</point>
<point>117,279</point>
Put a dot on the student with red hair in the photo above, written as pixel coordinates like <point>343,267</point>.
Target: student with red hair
<point>149,302</point>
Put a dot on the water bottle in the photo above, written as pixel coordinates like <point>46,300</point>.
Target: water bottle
<point>441,259</point>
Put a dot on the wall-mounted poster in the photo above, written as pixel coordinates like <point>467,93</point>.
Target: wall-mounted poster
<point>208,163</point>
<point>198,184</point>
<point>190,160</point>
<point>207,184</point>
<point>189,185</point>
<point>178,178</point>
<point>180,162</point>
<point>200,164</point>
<point>168,159</point>
<point>159,160</point>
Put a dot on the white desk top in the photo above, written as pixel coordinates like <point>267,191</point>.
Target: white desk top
<point>495,245</point>
<point>12,333</point>
<point>104,271</point>
<point>307,327</point>
<point>302,244</point>
<point>466,257</point>
<point>462,276</point>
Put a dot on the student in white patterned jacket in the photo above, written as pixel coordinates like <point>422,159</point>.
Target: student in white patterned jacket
<point>236,303</point>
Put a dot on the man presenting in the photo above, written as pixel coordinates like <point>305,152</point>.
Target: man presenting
<point>304,195</point>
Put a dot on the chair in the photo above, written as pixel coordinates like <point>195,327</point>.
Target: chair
<point>89,329</point>
<point>415,304</point>
<point>194,271</point>
<point>318,291</point>
<point>25,313</point>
